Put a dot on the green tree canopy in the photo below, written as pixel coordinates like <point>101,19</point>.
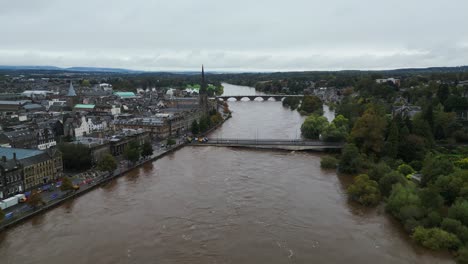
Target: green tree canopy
<point>364,190</point>
<point>132,152</point>
<point>107,163</point>
<point>147,149</point>
<point>76,157</point>
<point>369,131</point>
<point>67,184</point>
<point>351,160</point>
<point>35,199</point>
<point>313,126</point>
<point>336,131</point>
<point>195,128</point>
<point>435,238</point>
<point>459,211</point>
<point>388,180</point>
<point>311,104</point>
<point>435,166</point>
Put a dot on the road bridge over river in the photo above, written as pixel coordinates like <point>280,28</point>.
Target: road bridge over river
<point>265,97</point>
<point>271,144</point>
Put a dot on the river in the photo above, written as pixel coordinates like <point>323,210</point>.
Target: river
<point>219,205</point>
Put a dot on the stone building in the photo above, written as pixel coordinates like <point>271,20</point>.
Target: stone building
<point>26,169</point>
<point>11,180</point>
<point>42,168</point>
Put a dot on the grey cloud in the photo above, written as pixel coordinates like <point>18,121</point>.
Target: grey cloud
<point>237,35</point>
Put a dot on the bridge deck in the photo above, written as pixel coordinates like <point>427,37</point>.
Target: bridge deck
<point>273,143</point>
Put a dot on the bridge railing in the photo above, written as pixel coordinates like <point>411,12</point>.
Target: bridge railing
<point>297,142</point>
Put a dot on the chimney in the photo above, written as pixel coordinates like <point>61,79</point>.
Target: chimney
<point>14,155</point>
<point>4,158</point>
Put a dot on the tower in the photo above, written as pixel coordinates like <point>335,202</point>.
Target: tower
<point>72,98</point>
<point>203,94</point>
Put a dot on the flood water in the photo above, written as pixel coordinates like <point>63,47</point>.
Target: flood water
<point>219,205</point>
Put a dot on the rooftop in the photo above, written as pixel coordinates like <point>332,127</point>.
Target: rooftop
<point>125,94</point>
<point>85,106</point>
<point>20,153</point>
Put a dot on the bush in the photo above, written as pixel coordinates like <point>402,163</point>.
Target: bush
<point>432,219</point>
<point>365,191</point>
<point>386,182</point>
<point>405,169</point>
<point>435,238</point>
<point>462,164</point>
<point>459,211</point>
<point>377,171</point>
<point>350,160</point>
<point>328,162</point>
<point>455,227</point>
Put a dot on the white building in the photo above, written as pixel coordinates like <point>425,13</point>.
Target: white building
<point>83,129</point>
<point>392,80</point>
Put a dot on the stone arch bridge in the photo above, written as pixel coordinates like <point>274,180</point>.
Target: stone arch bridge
<point>265,97</point>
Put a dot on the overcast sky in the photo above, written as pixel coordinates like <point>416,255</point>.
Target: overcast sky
<point>235,34</point>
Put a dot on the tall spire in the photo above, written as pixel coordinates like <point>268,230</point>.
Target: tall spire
<point>203,94</point>
<point>203,84</point>
<point>71,90</point>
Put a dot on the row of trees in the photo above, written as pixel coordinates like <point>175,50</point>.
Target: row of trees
<point>206,122</point>
<point>315,126</point>
<point>386,148</point>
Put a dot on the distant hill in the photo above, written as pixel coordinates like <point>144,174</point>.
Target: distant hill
<point>188,72</point>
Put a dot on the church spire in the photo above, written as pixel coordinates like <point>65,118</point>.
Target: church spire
<point>203,94</point>
<point>203,82</point>
<point>71,90</point>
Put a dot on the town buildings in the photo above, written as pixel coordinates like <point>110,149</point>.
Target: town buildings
<point>25,169</point>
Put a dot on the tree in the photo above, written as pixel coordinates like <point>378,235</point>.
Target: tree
<point>443,92</point>
<point>195,128</point>
<point>393,140</point>
<point>311,104</point>
<point>435,238</point>
<point>107,163</point>
<point>216,118</point>
<point>378,170</point>
<point>364,190</point>
<point>452,186</point>
<point>430,198</point>
<point>85,83</point>
<point>388,180</point>
<point>204,124</point>
<point>76,157</point>
<point>405,169</point>
<point>67,184</point>
<point>132,152</point>
<point>434,166</point>
<point>350,160</point>
<point>147,149</point>
<point>459,211</point>
<point>313,126</point>
<point>337,131</point>
<point>455,227</point>
<point>400,197</point>
<point>328,162</point>
<point>369,130</point>
<point>35,199</point>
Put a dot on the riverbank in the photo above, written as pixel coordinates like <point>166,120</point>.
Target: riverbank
<point>7,223</point>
